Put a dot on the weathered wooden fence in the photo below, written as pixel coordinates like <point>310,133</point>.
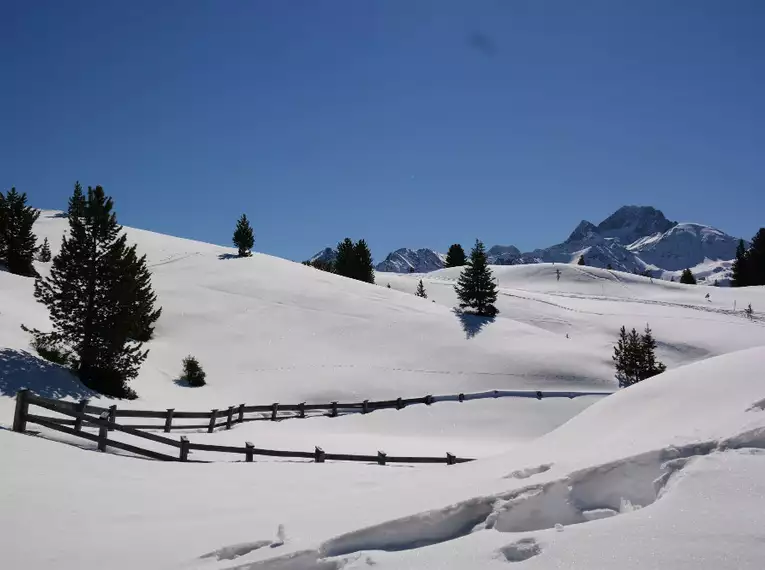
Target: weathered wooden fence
<point>106,422</point>
<point>226,418</point>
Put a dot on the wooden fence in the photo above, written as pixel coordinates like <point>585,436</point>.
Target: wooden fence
<point>226,418</point>
<point>106,422</point>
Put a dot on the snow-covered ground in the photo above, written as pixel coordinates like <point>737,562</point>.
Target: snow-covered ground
<point>685,446</point>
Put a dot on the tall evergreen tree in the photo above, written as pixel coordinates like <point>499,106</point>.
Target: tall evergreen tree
<point>476,288</point>
<point>755,259</point>
<point>45,255</point>
<point>136,272</point>
<point>635,357</point>
<point>739,269</point>
<point>76,206</point>
<point>420,292</point>
<point>364,270</point>
<point>649,366</point>
<point>687,277</point>
<point>244,238</point>
<point>581,260</point>
<point>345,259</point>
<point>455,257</point>
<point>92,295</point>
<point>17,240</point>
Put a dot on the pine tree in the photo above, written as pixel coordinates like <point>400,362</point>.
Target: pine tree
<point>76,206</point>
<point>635,358</point>
<point>649,366</point>
<point>623,359</point>
<point>144,314</point>
<point>17,240</point>
<point>45,255</point>
<point>476,288</point>
<point>192,372</point>
<point>345,259</point>
<point>244,238</point>
<point>420,292</point>
<point>755,259</point>
<point>455,257</point>
<point>581,260</point>
<point>687,277</point>
<point>364,270</point>
<point>92,295</point>
<point>739,269</point>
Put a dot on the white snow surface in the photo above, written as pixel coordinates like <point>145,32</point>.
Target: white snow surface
<point>666,474</point>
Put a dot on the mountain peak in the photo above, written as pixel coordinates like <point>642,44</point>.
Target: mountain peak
<point>582,231</point>
<point>630,223</point>
<point>407,260</point>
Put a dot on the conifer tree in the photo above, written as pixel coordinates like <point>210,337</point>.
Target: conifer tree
<point>455,257</point>
<point>420,292</point>
<point>581,260</point>
<point>193,372</point>
<point>687,277</point>
<point>17,240</point>
<point>345,259</point>
<point>136,272</point>
<point>755,259</point>
<point>76,205</point>
<point>739,276</point>
<point>364,270</point>
<point>635,357</point>
<point>244,238</point>
<point>476,288</point>
<point>649,366</point>
<point>92,295</point>
<point>45,254</point>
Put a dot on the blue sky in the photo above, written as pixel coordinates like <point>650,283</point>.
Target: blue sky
<point>407,122</point>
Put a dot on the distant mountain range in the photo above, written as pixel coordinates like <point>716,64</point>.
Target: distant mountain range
<point>633,239</point>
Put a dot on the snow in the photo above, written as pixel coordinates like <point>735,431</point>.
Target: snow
<point>669,473</point>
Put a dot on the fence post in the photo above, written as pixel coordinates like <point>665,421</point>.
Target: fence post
<point>319,455</point>
<point>22,408</point>
<point>450,459</point>
<point>250,447</point>
<point>112,418</point>
<point>274,411</point>
<point>428,400</point>
<point>213,417</point>
<point>301,409</point>
<point>169,419</point>
<point>399,404</point>
<point>103,428</point>
<point>241,413</point>
<point>461,397</point>
<point>80,409</point>
<point>334,410</point>
<point>230,417</point>
<point>381,456</point>
<point>184,448</point>
<point>365,407</point>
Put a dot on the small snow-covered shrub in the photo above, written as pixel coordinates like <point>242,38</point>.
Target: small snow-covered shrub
<point>192,372</point>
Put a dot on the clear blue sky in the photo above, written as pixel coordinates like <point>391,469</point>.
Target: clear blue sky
<point>407,122</point>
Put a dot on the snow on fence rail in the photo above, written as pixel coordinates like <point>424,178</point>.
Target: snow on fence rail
<point>105,423</point>
<point>226,418</point>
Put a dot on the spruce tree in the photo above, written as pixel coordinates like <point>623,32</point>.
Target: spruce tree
<point>420,292</point>
<point>45,255</point>
<point>649,366</point>
<point>144,314</point>
<point>244,238</point>
<point>455,257</point>
<point>345,259</point>
<point>635,358</point>
<point>92,295</point>
<point>581,260</point>
<point>76,206</point>
<point>476,288</point>
<point>364,270</point>
<point>17,240</point>
<point>687,277</point>
<point>755,259</point>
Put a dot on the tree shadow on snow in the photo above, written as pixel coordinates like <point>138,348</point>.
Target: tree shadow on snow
<point>228,256</point>
<point>472,324</point>
<point>20,369</point>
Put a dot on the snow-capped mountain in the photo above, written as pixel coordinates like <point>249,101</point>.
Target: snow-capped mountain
<point>407,260</point>
<point>327,255</point>
<point>633,238</point>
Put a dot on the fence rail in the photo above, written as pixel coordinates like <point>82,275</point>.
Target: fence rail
<point>106,422</point>
<point>226,418</point>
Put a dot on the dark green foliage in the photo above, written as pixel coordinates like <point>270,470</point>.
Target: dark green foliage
<point>244,238</point>
<point>354,261</point>
<point>687,277</point>
<point>48,349</point>
<point>45,255</point>
<point>755,259</point>
<point>17,240</point>
<point>581,260</point>
<point>320,264</point>
<point>76,207</point>
<point>739,269</point>
<point>635,357</point>
<point>192,372</point>
<point>96,294</point>
<point>455,257</point>
<point>476,288</point>
<point>420,292</point>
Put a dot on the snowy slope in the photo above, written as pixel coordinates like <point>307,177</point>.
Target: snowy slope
<point>667,474</point>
